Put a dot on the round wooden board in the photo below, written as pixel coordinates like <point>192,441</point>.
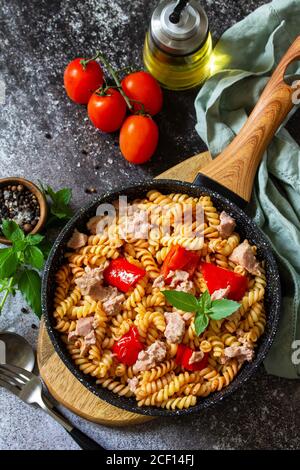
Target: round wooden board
<point>62,384</point>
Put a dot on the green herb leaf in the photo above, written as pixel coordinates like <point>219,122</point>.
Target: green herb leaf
<point>222,308</point>
<point>12,231</point>
<point>20,245</point>
<point>8,262</point>
<point>204,302</point>
<point>45,247</point>
<point>8,285</point>
<point>61,211</point>
<point>181,300</point>
<point>201,322</point>
<point>29,284</point>
<point>34,256</point>
<point>63,196</point>
<point>60,203</point>
<point>34,239</point>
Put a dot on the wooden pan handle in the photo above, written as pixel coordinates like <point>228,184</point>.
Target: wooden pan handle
<point>236,166</point>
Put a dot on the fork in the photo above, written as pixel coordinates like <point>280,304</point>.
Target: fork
<point>28,387</point>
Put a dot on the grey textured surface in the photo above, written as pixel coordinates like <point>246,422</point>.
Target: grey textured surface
<point>45,136</point>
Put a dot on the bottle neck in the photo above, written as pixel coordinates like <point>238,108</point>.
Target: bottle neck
<point>175,15</point>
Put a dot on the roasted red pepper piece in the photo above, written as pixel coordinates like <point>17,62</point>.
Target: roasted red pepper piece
<point>183,356</point>
<point>219,278</point>
<point>128,347</point>
<point>182,259</point>
<point>122,274</point>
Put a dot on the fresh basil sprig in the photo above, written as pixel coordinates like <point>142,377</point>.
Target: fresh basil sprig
<point>60,210</point>
<point>19,265</point>
<point>204,307</point>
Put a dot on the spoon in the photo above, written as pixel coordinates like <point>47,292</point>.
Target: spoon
<point>15,350</point>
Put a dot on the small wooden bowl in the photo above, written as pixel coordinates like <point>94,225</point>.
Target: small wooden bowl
<point>15,181</point>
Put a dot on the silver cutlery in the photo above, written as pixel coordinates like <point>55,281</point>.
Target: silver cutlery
<point>28,387</point>
<point>14,349</point>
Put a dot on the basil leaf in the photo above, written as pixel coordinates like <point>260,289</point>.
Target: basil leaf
<point>60,200</point>
<point>201,323</point>
<point>45,247</point>
<point>29,284</point>
<point>34,256</point>
<point>20,245</point>
<point>222,308</point>
<point>204,302</point>
<point>63,196</point>
<point>61,211</point>
<point>12,231</point>
<point>34,239</point>
<point>8,262</point>
<point>181,300</point>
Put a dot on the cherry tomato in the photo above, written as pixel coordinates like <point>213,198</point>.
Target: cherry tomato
<point>180,258</point>
<point>138,139</point>
<point>219,278</point>
<point>127,348</point>
<point>107,112</point>
<point>183,356</point>
<point>141,86</point>
<point>122,274</point>
<point>81,81</point>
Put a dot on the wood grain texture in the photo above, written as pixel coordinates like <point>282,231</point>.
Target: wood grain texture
<point>62,384</point>
<point>236,166</point>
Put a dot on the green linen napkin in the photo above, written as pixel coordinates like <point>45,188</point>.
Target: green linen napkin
<point>244,58</point>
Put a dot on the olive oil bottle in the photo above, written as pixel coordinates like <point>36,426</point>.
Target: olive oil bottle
<point>178,45</point>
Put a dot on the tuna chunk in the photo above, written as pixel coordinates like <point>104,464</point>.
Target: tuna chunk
<point>241,353</point>
<point>196,356</point>
<point>87,342</point>
<point>92,224</point>
<point>244,256</point>
<point>133,384</point>
<point>77,240</point>
<point>85,333</point>
<point>112,302</point>
<point>177,277</point>
<point>159,282</point>
<point>153,355</point>
<point>84,326</point>
<point>220,293</point>
<point>180,281</point>
<point>227,225</point>
<point>91,283</point>
<point>185,286</point>
<point>175,327</point>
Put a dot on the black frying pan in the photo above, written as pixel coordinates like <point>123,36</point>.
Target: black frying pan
<point>228,181</point>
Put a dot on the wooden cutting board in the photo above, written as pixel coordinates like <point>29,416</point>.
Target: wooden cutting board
<point>61,383</point>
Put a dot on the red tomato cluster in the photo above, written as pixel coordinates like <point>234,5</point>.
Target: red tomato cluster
<point>107,108</point>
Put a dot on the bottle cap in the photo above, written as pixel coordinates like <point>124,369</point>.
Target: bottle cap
<point>182,37</point>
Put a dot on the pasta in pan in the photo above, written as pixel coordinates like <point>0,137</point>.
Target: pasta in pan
<point>125,333</point>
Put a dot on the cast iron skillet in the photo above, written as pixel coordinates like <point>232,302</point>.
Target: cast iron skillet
<point>228,180</point>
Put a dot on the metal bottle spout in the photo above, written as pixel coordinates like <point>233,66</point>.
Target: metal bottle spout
<point>175,15</point>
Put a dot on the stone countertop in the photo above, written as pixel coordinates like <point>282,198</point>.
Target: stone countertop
<point>44,136</point>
